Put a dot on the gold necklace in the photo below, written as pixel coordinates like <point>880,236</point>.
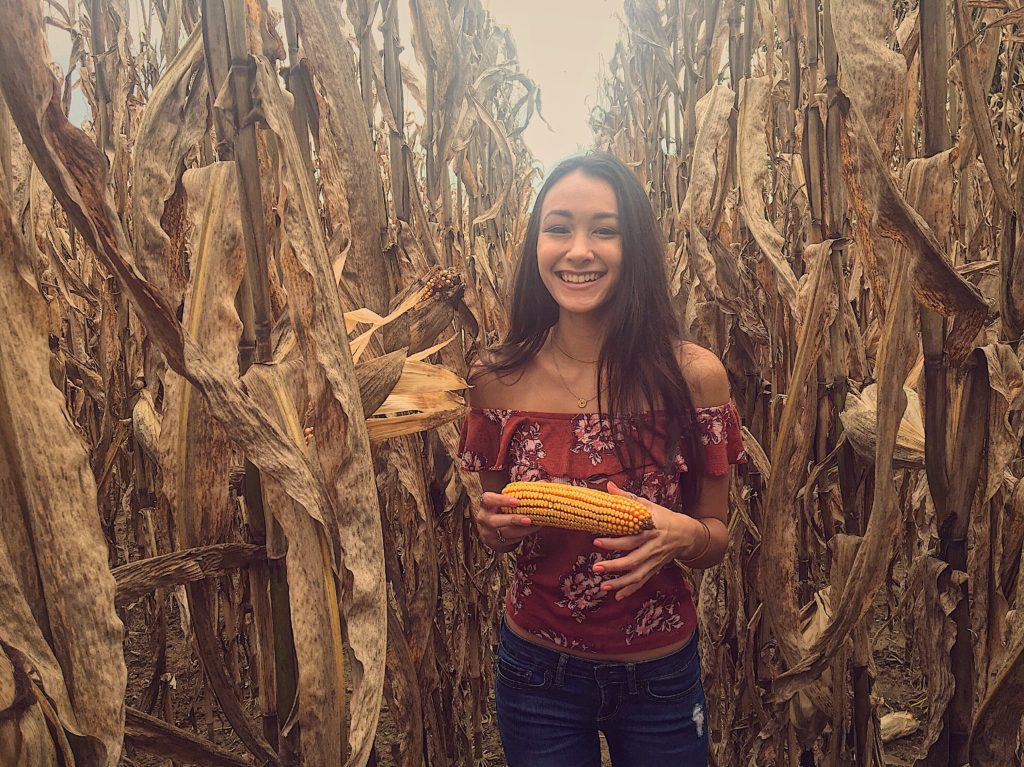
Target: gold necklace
<point>580,402</point>
<point>566,354</point>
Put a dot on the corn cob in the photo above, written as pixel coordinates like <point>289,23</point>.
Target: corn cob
<point>578,508</point>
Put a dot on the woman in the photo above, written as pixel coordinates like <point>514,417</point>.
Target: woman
<point>592,386</point>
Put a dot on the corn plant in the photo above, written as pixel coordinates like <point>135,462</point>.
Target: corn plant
<point>838,185</point>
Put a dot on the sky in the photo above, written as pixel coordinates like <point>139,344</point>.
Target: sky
<point>564,46</point>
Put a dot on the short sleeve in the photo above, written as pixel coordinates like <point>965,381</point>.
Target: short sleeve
<point>720,434</point>
<point>480,445</point>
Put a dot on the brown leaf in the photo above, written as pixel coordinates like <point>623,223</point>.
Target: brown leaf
<point>706,191</point>
<point>142,576</point>
<point>933,636</point>
<point>868,569</point>
<point>313,596</point>
<point>173,124</point>
<point>876,199</point>
<point>348,164</point>
<point>155,736</point>
<point>403,692</point>
<point>860,420</point>
<point>788,462</point>
<point>195,453</point>
<point>974,97</point>
<point>871,73</point>
<point>75,171</point>
<point>377,378</point>
<point>343,448</point>
<point>997,723</point>
<point>25,737</point>
<point>1006,378</point>
<point>752,172</point>
<point>61,617</point>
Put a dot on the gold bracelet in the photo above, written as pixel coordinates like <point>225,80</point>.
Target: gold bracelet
<point>707,545</point>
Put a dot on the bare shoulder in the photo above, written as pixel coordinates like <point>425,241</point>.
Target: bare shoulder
<point>489,389</point>
<point>704,374</point>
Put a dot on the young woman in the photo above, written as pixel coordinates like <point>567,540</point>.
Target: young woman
<point>593,386</point>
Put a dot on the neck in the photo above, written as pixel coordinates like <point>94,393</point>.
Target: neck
<point>580,336</point>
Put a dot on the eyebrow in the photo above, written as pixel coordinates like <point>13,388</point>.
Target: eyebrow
<point>568,214</point>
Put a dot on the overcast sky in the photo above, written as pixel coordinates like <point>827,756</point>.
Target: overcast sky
<point>564,46</point>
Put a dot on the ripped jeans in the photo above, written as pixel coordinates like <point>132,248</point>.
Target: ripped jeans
<point>551,707</point>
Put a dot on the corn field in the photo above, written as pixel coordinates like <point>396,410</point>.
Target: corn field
<point>239,298</point>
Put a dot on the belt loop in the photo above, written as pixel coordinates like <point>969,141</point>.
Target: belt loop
<point>631,678</point>
<point>563,659</point>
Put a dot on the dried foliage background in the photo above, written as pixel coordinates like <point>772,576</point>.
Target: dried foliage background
<point>194,450</point>
<point>839,185</point>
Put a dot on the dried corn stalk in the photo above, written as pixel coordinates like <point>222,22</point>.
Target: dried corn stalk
<point>285,378</point>
<point>805,238</point>
<point>199,254</point>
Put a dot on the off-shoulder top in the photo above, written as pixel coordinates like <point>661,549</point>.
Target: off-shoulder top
<point>554,593</point>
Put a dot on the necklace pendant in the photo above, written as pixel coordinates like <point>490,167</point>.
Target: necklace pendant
<point>582,403</point>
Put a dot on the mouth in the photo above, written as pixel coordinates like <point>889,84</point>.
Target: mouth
<point>579,278</point>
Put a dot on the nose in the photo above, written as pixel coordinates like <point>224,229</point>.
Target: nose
<point>580,248</point>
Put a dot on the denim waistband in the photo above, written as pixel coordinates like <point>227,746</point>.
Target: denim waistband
<point>603,670</point>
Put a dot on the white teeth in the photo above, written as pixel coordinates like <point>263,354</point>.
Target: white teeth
<point>579,278</point>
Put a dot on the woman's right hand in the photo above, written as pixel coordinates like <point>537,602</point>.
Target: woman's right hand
<point>500,530</point>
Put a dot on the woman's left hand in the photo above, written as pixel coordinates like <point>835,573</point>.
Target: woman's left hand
<point>648,551</point>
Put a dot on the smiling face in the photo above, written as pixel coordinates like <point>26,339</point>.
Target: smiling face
<point>579,246</point>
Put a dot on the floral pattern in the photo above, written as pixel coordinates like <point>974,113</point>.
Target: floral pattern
<point>498,416</point>
<point>520,587</point>
<point>530,550</point>
<point>527,452</point>
<point>593,436</point>
<point>660,613</point>
<point>473,461</point>
<point>714,422</point>
<point>553,593</point>
<point>656,486</point>
<point>679,463</point>
<point>574,481</point>
<point>561,640</point>
<point>581,586</point>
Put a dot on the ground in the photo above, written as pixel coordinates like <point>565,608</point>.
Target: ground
<point>898,687</point>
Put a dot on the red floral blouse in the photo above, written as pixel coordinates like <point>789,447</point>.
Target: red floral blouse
<point>554,593</point>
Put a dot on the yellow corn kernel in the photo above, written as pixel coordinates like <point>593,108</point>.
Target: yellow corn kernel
<point>578,508</point>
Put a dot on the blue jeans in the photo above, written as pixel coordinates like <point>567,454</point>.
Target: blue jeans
<point>551,707</point>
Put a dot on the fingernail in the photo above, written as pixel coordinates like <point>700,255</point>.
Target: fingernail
<point>598,568</point>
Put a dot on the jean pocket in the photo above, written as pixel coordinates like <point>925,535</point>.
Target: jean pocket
<point>676,687</point>
<point>520,675</point>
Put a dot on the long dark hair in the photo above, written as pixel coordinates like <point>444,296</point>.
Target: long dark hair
<point>638,363</point>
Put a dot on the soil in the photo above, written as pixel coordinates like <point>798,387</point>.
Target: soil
<point>898,687</point>
<point>176,694</point>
